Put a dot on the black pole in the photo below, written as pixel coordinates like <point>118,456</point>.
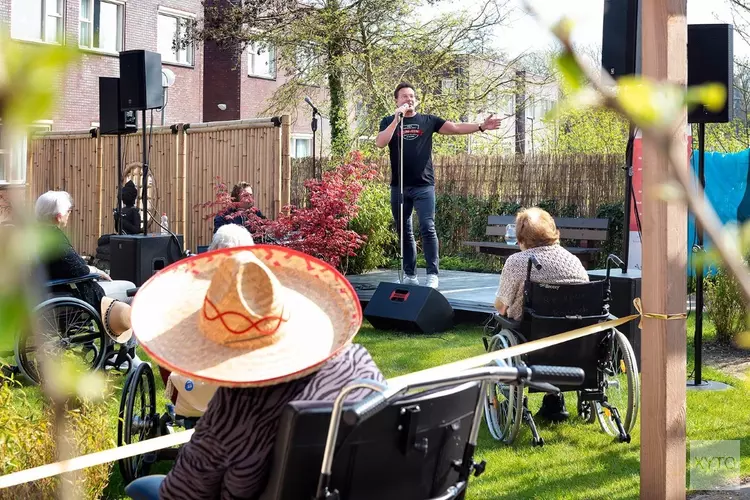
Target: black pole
<point>118,222</point>
<point>144,187</point>
<point>698,261</point>
<point>314,126</point>
<point>628,196</point>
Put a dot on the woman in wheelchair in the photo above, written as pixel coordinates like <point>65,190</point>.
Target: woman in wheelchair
<point>538,239</point>
<point>267,326</point>
<point>53,210</point>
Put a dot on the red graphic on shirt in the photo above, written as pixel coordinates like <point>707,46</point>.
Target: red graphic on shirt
<point>411,132</point>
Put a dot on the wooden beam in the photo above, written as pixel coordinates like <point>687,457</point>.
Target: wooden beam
<point>663,354</point>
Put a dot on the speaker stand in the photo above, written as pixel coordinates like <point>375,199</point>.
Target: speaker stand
<point>698,266</point>
<point>144,187</point>
<point>118,222</point>
<point>628,194</point>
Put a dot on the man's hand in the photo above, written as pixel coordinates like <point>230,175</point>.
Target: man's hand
<point>401,110</point>
<point>491,123</point>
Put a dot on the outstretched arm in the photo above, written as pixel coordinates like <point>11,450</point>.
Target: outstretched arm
<point>451,128</point>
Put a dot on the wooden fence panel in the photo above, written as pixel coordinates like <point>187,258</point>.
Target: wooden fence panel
<point>184,165</point>
<point>69,162</point>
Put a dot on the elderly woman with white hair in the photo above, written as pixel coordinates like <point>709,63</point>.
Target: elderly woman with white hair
<point>53,209</point>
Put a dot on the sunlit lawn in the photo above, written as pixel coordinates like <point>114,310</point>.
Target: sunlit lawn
<point>578,461</point>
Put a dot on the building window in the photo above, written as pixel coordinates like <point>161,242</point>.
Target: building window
<point>172,29</point>
<point>448,86</point>
<point>37,20</point>
<point>301,147</point>
<point>261,61</point>
<point>101,25</point>
<point>13,159</point>
<point>306,61</point>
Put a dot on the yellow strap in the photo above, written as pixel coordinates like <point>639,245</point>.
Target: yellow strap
<point>178,438</point>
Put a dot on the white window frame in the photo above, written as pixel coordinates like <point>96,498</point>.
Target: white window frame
<point>38,126</point>
<point>120,26</point>
<point>300,137</point>
<point>43,39</point>
<point>252,53</point>
<point>179,15</point>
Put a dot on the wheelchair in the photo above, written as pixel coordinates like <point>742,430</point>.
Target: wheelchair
<point>69,326</point>
<point>138,421</point>
<point>610,393</point>
<point>421,436</point>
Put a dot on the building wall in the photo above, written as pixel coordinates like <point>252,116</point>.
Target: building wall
<point>78,103</point>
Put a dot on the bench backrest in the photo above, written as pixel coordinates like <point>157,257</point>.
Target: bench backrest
<point>571,228</point>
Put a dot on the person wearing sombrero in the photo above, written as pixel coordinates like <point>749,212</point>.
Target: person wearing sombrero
<point>267,325</point>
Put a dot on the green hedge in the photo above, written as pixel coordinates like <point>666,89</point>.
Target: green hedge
<point>458,219</point>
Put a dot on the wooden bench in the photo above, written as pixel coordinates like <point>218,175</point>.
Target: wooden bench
<point>588,233</point>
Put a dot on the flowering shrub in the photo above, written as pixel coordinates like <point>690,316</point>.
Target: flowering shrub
<point>323,228</point>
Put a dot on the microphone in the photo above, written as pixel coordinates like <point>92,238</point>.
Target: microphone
<point>308,101</point>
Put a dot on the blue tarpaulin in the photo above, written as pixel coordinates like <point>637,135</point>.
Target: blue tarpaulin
<point>726,188</point>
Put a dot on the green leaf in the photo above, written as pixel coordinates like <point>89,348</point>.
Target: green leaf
<point>572,73</point>
<point>30,76</point>
<point>648,103</point>
<point>712,95</point>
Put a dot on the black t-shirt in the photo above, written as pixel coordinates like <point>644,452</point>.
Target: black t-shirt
<point>418,130</point>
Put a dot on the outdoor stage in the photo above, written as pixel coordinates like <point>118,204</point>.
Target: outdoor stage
<point>465,291</point>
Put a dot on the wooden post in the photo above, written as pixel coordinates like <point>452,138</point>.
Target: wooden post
<point>286,162</point>
<point>101,190</point>
<point>663,354</point>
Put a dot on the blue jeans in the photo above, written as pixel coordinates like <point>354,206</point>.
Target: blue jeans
<point>421,199</point>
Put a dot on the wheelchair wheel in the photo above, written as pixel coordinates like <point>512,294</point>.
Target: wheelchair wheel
<point>67,326</point>
<point>137,420</point>
<point>621,386</point>
<point>503,403</point>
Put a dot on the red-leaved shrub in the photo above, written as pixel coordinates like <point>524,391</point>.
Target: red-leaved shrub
<point>322,228</point>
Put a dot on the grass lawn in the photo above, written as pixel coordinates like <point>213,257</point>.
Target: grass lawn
<point>578,461</point>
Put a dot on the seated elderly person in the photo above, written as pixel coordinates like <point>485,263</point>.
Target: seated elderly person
<point>242,202</point>
<point>191,397</point>
<point>268,326</point>
<point>537,236</point>
<point>53,210</point>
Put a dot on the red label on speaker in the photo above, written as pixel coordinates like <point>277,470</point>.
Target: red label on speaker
<point>399,295</point>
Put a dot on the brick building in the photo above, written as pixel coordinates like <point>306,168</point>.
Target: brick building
<point>205,77</point>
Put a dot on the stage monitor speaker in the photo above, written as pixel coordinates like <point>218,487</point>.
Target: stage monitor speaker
<point>711,60</point>
<point>137,257</point>
<point>624,288</point>
<point>140,80</point>
<point>621,37</point>
<point>409,308</point>
<point>112,121</point>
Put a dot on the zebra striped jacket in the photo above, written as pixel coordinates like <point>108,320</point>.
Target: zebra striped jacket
<point>230,453</point>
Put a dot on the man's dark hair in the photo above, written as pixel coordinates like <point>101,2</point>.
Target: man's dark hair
<point>237,191</point>
<point>402,85</point>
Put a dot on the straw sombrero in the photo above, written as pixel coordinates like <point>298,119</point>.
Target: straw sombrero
<point>116,319</point>
<point>246,317</point>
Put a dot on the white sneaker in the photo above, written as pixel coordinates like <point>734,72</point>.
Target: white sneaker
<point>410,280</point>
<point>432,281</point>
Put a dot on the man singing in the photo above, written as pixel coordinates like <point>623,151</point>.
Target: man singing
<point>419,178</point>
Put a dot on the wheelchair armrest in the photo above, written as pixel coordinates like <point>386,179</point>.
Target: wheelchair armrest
<point>145,488</point>
<point>131,292</point>
<point>506,322</point>
<point>72,281</point>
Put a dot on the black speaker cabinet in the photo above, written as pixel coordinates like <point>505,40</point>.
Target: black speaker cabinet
<point>112,121</point>
<point>711,60</point>
<point>409,308</point>
<point>140,80</point>
<point>137,257</point>
<point>620,37</point>
<point>624,288</point>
